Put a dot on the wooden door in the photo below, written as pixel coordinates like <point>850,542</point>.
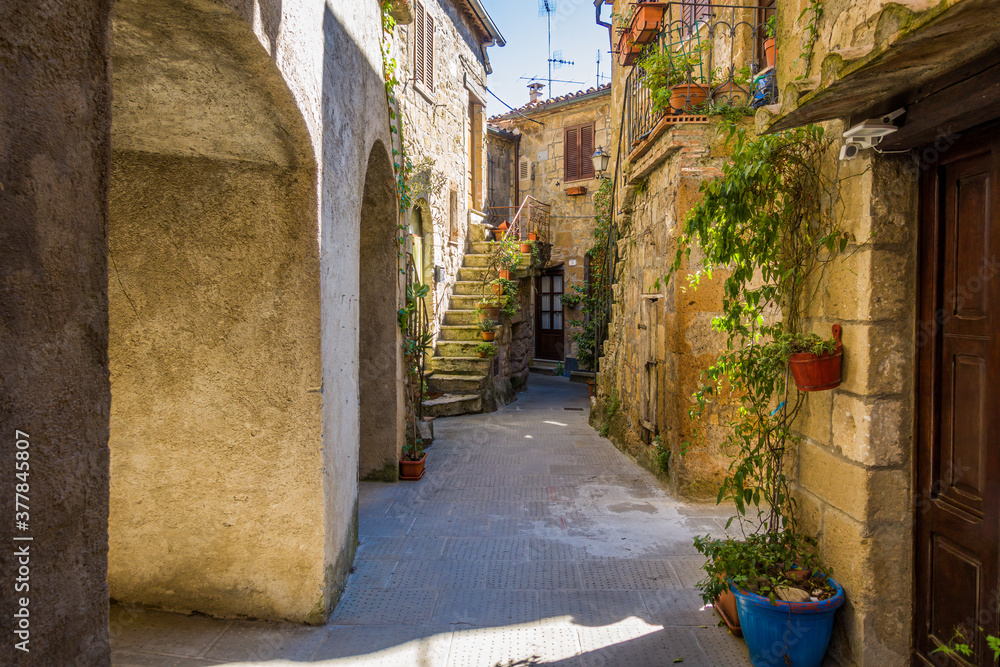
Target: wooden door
<point>549,321</point>
<point>958,461</point>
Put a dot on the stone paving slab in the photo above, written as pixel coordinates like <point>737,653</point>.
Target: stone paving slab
<point>530,539</point>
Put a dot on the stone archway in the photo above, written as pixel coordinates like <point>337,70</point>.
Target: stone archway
<point>217,493</point>
<point>379,342</point>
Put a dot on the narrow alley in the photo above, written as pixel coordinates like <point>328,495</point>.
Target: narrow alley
<point>530,539</point>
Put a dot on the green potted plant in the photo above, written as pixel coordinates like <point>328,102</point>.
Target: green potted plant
<point>488,329</point>
<point>486,350</point>
<point>815,363</point>
<point>674,79</point>
<point>772,233</point>
<point>413,464</point>
<point>488,309</point>
<point>417,342</point>
<point>770,48</point>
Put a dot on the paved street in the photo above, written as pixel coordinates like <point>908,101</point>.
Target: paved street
<point>530,540</point>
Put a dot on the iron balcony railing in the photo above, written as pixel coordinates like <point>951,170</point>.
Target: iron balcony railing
<point>706,55</point>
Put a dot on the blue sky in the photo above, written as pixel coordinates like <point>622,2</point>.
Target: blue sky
<point>574,32</point>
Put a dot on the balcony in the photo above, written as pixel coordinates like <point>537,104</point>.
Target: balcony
<point>706,59</point>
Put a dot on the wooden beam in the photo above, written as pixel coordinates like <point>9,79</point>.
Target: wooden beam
<point>949,111</point>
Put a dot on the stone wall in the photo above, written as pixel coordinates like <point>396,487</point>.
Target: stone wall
<point>660,336</point>
<point>55,117</point>
<point>571,230</point>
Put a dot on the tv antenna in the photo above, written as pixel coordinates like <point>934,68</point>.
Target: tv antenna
<point>547,7</point>
<point>535,78</point>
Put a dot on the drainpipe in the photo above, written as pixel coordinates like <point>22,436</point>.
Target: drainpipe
<point>597,10</point>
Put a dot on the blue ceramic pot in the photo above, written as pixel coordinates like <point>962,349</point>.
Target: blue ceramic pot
<point>798,630</point>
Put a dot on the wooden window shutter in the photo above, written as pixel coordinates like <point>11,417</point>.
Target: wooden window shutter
<point>586,151</point>
<point>418,43</point>
<point>571,154</point>
<point>429,52</point>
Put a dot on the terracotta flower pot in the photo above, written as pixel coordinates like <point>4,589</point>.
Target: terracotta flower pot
<point>628,52</point>
<point>532,236</point>
<point>683,96</point>
<point>498,289</point>
<point>814,372</point>
<point>525,248</point>
<point>483,355</point>
<point>504,273</point>
<point>492,313</point>
<point>488,335</point>
<point>725,607</point>
<point>770,51</point>
<point>591,388</point>
<point>575,190</point>
<point>732,94</point>
<point>412,470</point>
<point>647,21</point>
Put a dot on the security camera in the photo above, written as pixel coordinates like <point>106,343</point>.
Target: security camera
<point>868,134</point>
<point>849,151</point>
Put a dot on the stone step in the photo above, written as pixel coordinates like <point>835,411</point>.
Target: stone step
<point>453,404</point>
<point>472,259</point>
<point>460,332</point>
<point>461,365</point>
<point>465,301</point>
<point>457,348</point>
<point>472,288</point>
<point>543,366</point>
<point>455,384</point>
<point>481,247</point>
<point>581,376</point>
<point>457,317</point>
<point>476,274</point>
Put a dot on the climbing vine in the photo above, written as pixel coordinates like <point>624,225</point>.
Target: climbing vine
<point>593,293</point>
<point>814,10</point>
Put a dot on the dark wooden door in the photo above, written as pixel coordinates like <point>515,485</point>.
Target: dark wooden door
<point>958,459</point>
<point>549,322</point>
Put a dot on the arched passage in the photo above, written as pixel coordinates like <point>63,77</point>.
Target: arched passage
<point>217,501</point>
<point>379,343</point>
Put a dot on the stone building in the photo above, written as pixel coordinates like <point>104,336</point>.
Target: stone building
<point>892,470</point>
<point>443,65</point>
<point>198,305</point>
<point>895,463</point>
<point>556,141</point>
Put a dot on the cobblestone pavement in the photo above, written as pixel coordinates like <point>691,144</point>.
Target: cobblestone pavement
<point>530,541</point>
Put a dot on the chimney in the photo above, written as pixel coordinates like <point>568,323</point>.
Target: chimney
<point>535,90</point>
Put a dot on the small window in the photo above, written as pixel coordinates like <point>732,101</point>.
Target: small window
<point>524,169</point>
<point>578,151</point>
<point>423,46</point>
<point>695,10</point>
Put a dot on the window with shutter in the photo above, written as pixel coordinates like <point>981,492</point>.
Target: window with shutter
<point>587,151</point>
<point>571,154</point>
<point>578,147</point>
<point>423,46</point>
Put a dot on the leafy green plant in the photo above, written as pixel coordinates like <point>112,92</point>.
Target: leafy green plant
<point>768,223</point>
<point>593,293</point>
<point>758,563</point>
<point>958,646</point>
<point>489,349</point>
<point>771,26</point>
<point>487,325</point>
<point>666,68</point>
<point>570,300</point>
<point>814,9</point>
<point>662,454</point>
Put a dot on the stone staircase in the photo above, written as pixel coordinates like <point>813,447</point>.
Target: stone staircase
<point>456,369</point>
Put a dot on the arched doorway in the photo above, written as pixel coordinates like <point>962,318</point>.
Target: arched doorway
<point>379,351</point>
<point>217,496</point>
